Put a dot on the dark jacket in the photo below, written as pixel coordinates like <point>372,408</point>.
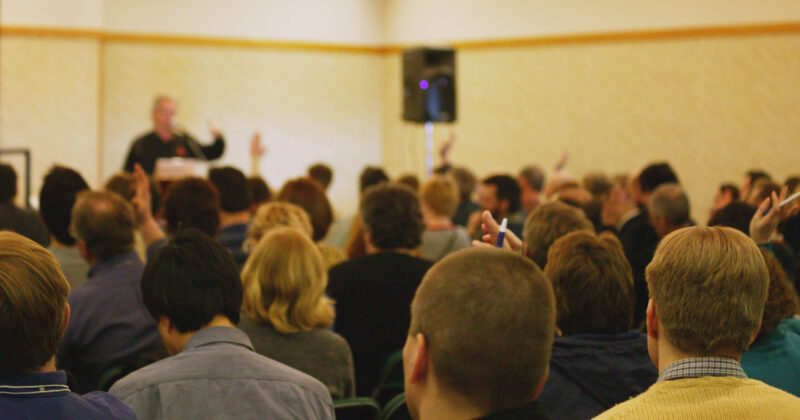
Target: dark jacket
<point>591,373</point>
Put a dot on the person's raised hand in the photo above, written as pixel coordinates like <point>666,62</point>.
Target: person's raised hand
<point>765,222</point>
<point>444,151</point>
<point>215,132</point>
<point>491,229</point>
<point>141,200</point>
<point>257,149</point>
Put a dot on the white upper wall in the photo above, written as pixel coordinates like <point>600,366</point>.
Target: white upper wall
<point>380,22</point>
<point>84,14</point>
<point>339,21</point>
<point>430,21</point>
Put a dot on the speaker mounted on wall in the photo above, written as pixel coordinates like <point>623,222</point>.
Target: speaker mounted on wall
<point>429,85</point>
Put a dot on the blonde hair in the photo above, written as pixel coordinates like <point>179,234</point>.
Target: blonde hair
<point>284,283</point>
<point>440,195</point>
<point>273,215</point>
<point>33,297</point>
<point>709,286</point>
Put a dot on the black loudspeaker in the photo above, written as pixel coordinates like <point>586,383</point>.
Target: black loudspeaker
<point>429,85</point>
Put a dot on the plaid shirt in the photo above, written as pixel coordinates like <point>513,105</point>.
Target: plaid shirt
<point>697,367</point>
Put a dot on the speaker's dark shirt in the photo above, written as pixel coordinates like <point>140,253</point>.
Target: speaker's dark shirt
<point>148,148</point>
<point>373,298</point>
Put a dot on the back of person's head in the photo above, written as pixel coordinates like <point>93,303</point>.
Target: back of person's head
<point>762,189</point>
<point>670,203</point>
<point>274,215</point>
<point>708,286</point>
<point>410,181</point>
<point>593,284</point>
<point>440,196</point>
<point>533,176</point>
<point>192,203</point>
<point>284,283</point>
<point>104,222</point>
<point>465,180</point>
<point>231,184</point>
<point>59,191</point>
<point>487,317</point>
<point>33,299</point>
<point>259,190</point>
<point>371,175</point>
<point>782,301</point>
<point>754,175</point>
<point>8,183</point>
<point>123,184</point>
<point>392,217</point>
<point>506,188</point>
<point>731,189</point>
<point>791,183</point>
<point>190,280</point>
<point>736,215</point>
<point>311,197</point>
<point>597,183</point>
<point>321,173</point>
<point>656,174</point>
<point>547,223</point>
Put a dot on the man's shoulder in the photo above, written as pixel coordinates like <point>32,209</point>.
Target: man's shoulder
<point>204,366</point>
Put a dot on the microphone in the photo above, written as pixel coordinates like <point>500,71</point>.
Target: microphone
<point>179,131</point>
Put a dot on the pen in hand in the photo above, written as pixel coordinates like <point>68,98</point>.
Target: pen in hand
<point>502,234</point>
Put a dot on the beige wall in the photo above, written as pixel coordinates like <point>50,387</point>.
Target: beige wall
<point>308,106</point>
<point>712,107</point>
<point>49,103</point>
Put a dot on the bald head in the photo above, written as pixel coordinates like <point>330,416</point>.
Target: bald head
<point>104,222</point>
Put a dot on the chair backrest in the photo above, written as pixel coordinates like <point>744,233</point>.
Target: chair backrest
<point>390,380</point>
<point>396,409</point>
<point>357,409</point>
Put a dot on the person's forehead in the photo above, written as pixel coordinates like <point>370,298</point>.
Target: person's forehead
<point>167,104</point>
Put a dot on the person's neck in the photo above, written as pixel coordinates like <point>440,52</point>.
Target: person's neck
<point>669,354</point>
<point>55,243</point>
<point>226,219</point>
<point>218,321</point>
<point>439,407</point>
<point>165,134</point>
<point>48,367</point>
<point>434,222</point>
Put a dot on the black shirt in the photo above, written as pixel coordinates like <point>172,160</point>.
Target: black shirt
<point>146,149</point>
<point>373,298</point>
<point>27,223</point>
<point>530,411</point>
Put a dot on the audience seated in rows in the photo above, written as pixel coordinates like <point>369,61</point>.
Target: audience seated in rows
<point>726,194</point>
<point>191,287</point>
<point>707,287</point>
<point>60,188</point>
<point>478,346</point>
<point>286,313</point>
<point>409,180</point>
<point>372,292</point>
<point>33,298</point>
<point>774,357</point>
<point>109,323</point>
<point>594,293</point>
<point>439,198</point>
<point>234,214</point>
<point>25,222</point>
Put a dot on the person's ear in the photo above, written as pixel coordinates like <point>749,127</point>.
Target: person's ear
<point>541,385</point>
<point>419,356</point>
<point>164,324</point>
<point>66,319</point>
<point>652,320</point>
<point>82,249</point>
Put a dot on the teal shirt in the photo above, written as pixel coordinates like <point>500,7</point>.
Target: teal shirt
<point>775,359</point>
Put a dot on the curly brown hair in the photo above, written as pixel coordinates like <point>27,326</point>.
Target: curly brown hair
<point>391,214</point>
<point>782,301</point>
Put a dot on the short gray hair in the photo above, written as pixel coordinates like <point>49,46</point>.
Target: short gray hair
<point>670,202</point>
<point>534,176</point>
<point>161,98</point>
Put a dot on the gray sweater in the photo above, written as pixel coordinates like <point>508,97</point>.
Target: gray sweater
<point>320,353</point>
